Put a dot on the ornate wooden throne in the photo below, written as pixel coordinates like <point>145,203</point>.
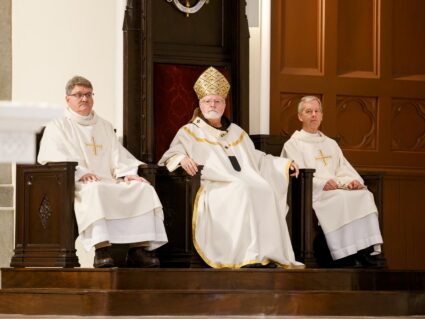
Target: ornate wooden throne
<point>165,51</point>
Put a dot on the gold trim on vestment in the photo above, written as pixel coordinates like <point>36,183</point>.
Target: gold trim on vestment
<point>201,139</point>
<point>288,166</point>
<point>219,266</point>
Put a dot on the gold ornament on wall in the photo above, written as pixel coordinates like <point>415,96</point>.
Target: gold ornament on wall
<point>187,7</point>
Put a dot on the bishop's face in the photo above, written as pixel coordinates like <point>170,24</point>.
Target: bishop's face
<point>80,100</point>
<point>311,116</point>
<point>212,107</point>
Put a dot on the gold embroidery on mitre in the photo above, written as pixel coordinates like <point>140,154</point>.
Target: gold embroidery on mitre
<point>211,82</point>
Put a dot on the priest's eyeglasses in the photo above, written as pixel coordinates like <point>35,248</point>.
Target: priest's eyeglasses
<point>79,95</point>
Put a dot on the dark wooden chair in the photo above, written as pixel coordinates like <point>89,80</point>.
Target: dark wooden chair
<point>160,70</point>
<point>177,191</point>
<point>45,229</point>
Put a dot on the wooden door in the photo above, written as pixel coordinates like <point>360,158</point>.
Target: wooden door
<point>365,60</point>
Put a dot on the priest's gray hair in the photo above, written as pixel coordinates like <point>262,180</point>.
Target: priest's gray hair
<point>307,99</point>
<point>77,80</point>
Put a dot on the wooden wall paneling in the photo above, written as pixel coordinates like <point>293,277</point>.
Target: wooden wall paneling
<point>362,133</point>
<point>297,65</point>
<point>404,220</point>
<point>412,190</point>
<point>408,45</point>
<point>372,85</point>
<point>408,125</point>
<point>358,38</point>
<point>302,57</point>
<point>394,232</point>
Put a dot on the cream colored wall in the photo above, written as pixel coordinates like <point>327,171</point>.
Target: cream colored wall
<point>52,40</point>
<point>254,79</point>
<point>259,69</point>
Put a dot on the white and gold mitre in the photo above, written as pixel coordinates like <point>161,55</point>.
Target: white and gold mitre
<point>211,82</point>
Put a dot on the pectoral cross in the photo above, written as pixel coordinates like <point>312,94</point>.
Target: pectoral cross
<point>94,146</point>
<point>323,158</point>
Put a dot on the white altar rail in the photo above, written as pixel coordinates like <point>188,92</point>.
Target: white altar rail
<point>19,124</point>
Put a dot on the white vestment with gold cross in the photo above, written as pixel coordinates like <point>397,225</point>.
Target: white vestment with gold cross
<point>239,216</point>
<point>348,217</point>
<point>110,209</point>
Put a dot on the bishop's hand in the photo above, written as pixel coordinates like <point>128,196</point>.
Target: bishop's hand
<point>294,169</point>
<point>189,165</point>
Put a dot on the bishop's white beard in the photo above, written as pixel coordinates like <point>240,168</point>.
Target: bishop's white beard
<point>212,115</point>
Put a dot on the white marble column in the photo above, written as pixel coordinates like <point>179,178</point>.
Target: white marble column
<point>6,171</point>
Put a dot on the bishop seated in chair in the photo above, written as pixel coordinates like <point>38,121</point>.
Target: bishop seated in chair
<point>112,203</point>
<point>240,208</point>
<point>345,209</point>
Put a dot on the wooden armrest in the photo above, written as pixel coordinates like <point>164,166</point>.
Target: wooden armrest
<point>153,171</point>
<point>300,216</point>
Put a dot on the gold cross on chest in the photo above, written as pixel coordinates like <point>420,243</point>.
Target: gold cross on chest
<point>94,146</point>
<point>323,158</point>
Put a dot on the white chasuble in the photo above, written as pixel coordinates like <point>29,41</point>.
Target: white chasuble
<point>91,142</point>
<point>240,209</point>
<point>335,209</point>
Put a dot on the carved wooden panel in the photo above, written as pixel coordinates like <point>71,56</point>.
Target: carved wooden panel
<point>185,34</point>
<point>408,39</point>
<point>408,125</point>
<point>301,51</point>
<point>45,222</point>
<point>45,208</point>
<point>358,35</point>
<point>404,223</point>
<point>357,122</point>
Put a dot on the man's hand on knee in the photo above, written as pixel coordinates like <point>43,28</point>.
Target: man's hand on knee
<point>90,177</point>
<point>138,178</point>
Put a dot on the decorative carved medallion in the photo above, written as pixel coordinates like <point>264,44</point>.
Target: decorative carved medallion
<point>45,211</point>
<point>187,8</point>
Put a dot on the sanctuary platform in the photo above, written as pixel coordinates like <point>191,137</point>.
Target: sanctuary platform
<point>118,291</point>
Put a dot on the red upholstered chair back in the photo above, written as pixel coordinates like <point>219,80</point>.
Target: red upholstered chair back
<point>175,100</point>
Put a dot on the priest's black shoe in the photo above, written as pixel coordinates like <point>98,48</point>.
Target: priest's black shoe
<point>370,261</point>
<point>140,258</point>
<point>347,262</point>
<point>102,258</point>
